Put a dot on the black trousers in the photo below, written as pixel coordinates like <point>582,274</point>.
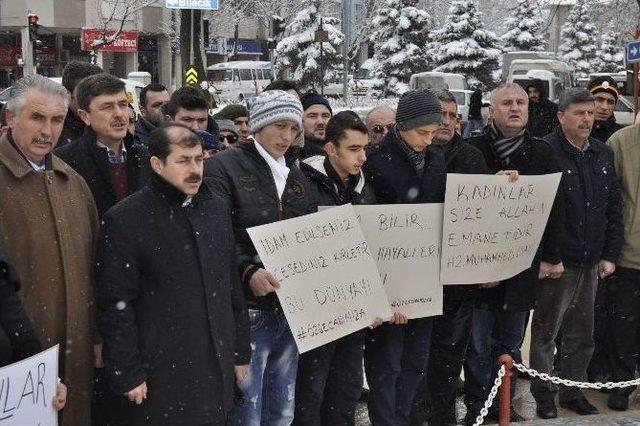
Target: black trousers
<point>329,382</point>
<point>435,400</point>
<point>599,367</point>
<point>623,299</point>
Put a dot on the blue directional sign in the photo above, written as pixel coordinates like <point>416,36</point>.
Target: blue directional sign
<point>633,51</point>
<point>192,4</point>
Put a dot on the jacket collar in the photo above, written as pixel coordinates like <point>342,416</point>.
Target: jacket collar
<point>606,124</point>
<point>17,164</point>
<point>91,138</point>
<point>569,148</point>
<point>317,164</point>
<point>173,195</point>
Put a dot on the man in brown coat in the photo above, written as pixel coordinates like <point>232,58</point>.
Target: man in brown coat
<point>48,226</point>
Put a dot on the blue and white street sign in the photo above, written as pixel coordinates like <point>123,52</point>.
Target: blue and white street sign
<point>633,51</point>
<point>192,4</point>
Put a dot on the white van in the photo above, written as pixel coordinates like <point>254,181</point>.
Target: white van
<point>235,78</point>
<point>552,83</point>
<point>438,80</point>
<point>520,67</point>
<point>509,57</point>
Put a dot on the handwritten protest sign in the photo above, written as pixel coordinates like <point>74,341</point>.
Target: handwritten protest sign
<point>329,282</point>
<point>27,389</point>
<point>405,242</point>
<point>492,227</point>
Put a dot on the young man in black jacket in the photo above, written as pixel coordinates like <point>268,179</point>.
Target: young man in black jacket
<point>451,330</point>
<point>606,92</point>
<point>105,155</point>
<point>173,319</point>
<point>403,168</point>
<point>593,233</point>
<point>261,187</point>
<point>503,306</point>
<point>542,111</point>
<point>72,74</point>
<point>329,381</point>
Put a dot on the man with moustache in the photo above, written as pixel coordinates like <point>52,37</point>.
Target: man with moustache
<point>593,234</point>
<point>152,97</point>
<point>451,330</point>
<point>49,228</point>
<point>106,156</point>
<point>173,317</point>
<point>504,305</point>
<point>317,113</point>
<point>114,167</point>
<point>542,111</point>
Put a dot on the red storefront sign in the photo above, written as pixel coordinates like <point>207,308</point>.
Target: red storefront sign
<point>45,56</point>
<point>127,41</point>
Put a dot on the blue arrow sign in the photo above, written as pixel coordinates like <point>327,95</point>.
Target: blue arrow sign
<point>633,51</point>
<point>192,4</point>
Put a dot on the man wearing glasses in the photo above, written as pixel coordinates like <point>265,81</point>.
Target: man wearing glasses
<point>228,133</point>
<point>379,121</point>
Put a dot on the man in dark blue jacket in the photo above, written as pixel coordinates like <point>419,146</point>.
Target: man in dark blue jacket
<point>403,169</point>
<point>592,238</point>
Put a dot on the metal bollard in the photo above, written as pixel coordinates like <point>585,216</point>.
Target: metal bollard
<point>504,418</point>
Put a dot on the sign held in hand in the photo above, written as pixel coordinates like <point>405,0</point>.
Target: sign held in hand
<point>329,283</point>
<point>491,227</point>
<point>405,242</point>
<point>27,389</point>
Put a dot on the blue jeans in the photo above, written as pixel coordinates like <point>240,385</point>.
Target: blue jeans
<point>493,333</point>
<point>269,389</point>
<point>395,360</point>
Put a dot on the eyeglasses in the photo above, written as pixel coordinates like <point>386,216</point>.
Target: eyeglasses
<point>229,138</point>
<point>379,128</point>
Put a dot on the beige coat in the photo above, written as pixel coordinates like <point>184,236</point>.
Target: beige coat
<point>625,144</point>
<point>48,228</point>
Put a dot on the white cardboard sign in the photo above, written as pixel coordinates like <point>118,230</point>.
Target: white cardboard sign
<point>491,227</point>
<point>27,389</point>
<point>329,283</point>
<point>405,242</point>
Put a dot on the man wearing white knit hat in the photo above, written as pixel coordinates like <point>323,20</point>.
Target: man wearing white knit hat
<point>261,188</point>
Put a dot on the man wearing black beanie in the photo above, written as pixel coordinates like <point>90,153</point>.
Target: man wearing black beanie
<point>317,113</point>
<point>402,168</point>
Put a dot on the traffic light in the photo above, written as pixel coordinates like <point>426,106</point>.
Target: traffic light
<point>277,25</point>
<point>33,19</point>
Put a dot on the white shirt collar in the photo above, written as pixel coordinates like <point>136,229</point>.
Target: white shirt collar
<point>36,167</point>
<point>278,167</point>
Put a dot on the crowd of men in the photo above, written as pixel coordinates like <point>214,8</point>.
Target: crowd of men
<point>124,240</point>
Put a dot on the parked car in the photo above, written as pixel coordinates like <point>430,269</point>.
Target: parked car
<point>624,110</point>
